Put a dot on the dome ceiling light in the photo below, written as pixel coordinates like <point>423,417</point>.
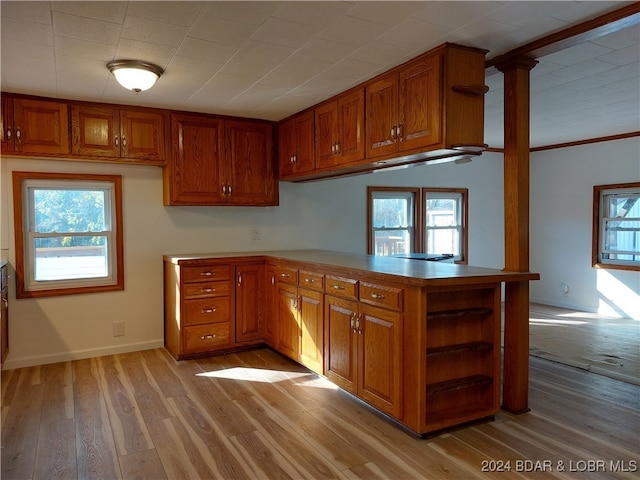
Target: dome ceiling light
<point>135,75</point>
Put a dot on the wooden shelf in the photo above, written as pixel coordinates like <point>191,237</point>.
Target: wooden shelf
<point>458,384</point>
<point>460,348</point>
<point>458,313</point>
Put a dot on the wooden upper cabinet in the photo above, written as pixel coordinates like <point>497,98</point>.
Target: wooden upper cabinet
<point>296,145</point>
<point>193,174</point>
<point>218,162</point>
<point>35,126</point>
<point>104,131</point>
<point>248,169</point>
<point>340,130</point>
<point>403,109</point>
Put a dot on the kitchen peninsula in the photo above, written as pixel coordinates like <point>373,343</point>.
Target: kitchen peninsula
<point>420,341</point>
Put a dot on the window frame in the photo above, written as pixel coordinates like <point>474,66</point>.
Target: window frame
<point>415,192</point>
<point>463,193</point>
<point>24,252</point>
<point>599,194</point>
<point>419,211</point>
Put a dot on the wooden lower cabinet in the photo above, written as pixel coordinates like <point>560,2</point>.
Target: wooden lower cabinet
<point>250,302</point>
<point>363,352</point>
<point>270,325</point>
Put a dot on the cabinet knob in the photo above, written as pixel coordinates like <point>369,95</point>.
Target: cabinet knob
<point>206,274</point>
<point>378,296</point>
<point>309,280</point>
<point>18,135</point>
<point>207,310</point>
<point>116,141</point>
<point>338,287</point>
<point>9,134</point>
<point>208,290</point>
<point>207,337</point>
<point>285,275</point>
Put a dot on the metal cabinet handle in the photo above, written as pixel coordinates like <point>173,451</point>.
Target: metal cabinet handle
<point>18,135</point>
<point>239,279</point>
<point>285,275</point>
<point>208,290</point>
<point>116,141</point>
<point>124,142</point>
<point>9,134</point>
<point>338,287</point>
<point>399,131</point>
<point>208,337</point>
<point>208,310</point>
<point>379,296</point>
<point>206,274</point>
<point>309,280</point>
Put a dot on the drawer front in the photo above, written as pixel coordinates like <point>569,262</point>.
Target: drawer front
<point>206,289</point>
<point>208,310</point>
<point>206,338</point>
<point>204,273</point>
<point>287,275</point>
<point>312,280</point>
<point>342,287</point>
<point>381,295</point>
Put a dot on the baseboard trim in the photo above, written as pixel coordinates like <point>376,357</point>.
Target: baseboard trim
<point>22,362</point>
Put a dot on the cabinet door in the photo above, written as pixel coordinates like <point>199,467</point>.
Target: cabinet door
<point>286,147</point>
<point>96,131</point>
<point>193,173</point>
<point>382,116</point>
<point>6,122</point>
<point>326,124</point>
<point>143,135</point>
<point>310,308</point>
<point>380,358</point>
<point>270,325</point>
<point>420,103</point>
<point>350,119</point>
<point>339,353</point>
<point>250,174</point>
<point>289,331</point>
<point>41,127</point>
<point>297,150</point>
<point>250,303</point>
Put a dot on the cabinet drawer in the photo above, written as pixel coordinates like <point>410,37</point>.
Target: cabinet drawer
<point>381,295</point>
<point>342,287</point>
<point>208,310</point>
<point>206,289</point>
<point>206,338</point>
<point>203,273</point>
<point>288,275</point>
<point>311,280</point>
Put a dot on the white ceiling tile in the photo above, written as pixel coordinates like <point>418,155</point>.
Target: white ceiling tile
<point>523,13</point>
<point>352,31</point>
<point>85,28</point>
<point>277,79</point>
<point>222,31</point>
<point>413,34</point>
<point>387,13</point>
<point>577,54</point>
<point>207,51</point>
<point>136,28</point>
<point>627,37</point>
<point>325,50</point>
<point>380,53</point>
<point>30,32</point>
<point>24,75</point>
<point>106,11</point>
<point>73,47</point>
<point>283,32</point>
<point>313,13</point>
<point>176,13</point>
<point>350,68</point>
<point>38,12</point>
<point>452,15</point>
<point>250,12</point>
<point>78,77</point>
<point>623,56</point>
<point>588,69</point>
<point>257,58</point>
<point>486,34</point>
<point>148,52</point>
<point>301,66</point>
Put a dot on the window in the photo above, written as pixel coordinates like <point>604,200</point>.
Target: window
<point>413,220</point>
<point>68,230</point>
<point>616,226</point>
<point>445,218</point>
<point>393,218</point>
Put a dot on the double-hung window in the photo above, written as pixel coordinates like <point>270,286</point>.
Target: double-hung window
<point>68,233</point>
<point>417,220</point>
<point>616,226</point>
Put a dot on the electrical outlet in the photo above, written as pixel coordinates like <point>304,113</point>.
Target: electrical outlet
<point>118,329</point>
<point>256,234</point>
<point>565,289</point>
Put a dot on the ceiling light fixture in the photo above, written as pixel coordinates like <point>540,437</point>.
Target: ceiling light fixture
<point>135,75</point>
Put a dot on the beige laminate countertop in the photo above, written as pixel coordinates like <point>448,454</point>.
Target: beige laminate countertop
<point>416,272</point>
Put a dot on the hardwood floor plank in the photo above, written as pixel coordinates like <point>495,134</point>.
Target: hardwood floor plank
<point>58,392</point>
<point>144,465</point>
<point>305,458</point>
<point>147,393</point>
<point>20,433</point>
<point>56,454</point>
<point>214,447</point>
<point>95,446</point>
<point>128,427</point>
<point>265,460</point>
<point>234,387</point>
<point>169,383</point>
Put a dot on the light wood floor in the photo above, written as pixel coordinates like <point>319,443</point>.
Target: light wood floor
<point>596,343</point>
<point>257,415</point>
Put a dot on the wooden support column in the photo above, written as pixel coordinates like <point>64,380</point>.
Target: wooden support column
<point>515,393</point>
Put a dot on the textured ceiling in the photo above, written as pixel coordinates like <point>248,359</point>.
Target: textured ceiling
<point>272,59</point>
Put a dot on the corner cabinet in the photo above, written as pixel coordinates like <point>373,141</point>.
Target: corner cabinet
<point>34,127</point>
<point>220,162</point>
<point>115,133</point>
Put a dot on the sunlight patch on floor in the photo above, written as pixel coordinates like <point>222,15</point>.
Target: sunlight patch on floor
<point>546,321</point>
<point>253,374</point>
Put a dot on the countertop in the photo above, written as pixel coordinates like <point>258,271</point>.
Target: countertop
<point>409,271</point>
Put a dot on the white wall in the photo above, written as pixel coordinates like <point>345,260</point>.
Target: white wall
<point>328,214</point>
<point>562,184</point>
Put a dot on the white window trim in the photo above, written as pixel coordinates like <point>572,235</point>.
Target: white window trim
<point>603,220</point>
<point>459,227</point>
